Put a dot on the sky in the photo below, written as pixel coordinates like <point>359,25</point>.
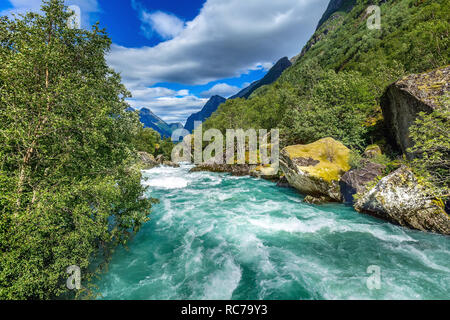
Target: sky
<point>173,55</point>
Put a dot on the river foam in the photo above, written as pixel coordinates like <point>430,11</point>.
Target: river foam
<point>213,236</point>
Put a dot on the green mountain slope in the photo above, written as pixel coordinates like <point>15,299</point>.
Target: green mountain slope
<point>335,85</point>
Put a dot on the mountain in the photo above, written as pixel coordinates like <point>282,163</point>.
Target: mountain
<point>335,6</point>
<point>151,120</point>
<point>213,104</point>
<point>335,86</point>
<point>210,107</point>
<point>271,76</point>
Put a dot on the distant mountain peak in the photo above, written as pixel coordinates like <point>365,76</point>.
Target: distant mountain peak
<point>151,120</point>
<point>215,101</point>
<point>335,6</point>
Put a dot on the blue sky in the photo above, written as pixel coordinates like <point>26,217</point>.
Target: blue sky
<point>174,54</point>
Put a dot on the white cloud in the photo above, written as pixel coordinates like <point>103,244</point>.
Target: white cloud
<point>221,89</point>
<point>88,8</point>
<point>227,39</point>
<point>158,92</point>
<point>168,26</point>
<point>171,108</point>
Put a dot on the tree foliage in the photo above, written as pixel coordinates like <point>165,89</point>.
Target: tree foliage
<point>430,134</point>
<point>67,193</point>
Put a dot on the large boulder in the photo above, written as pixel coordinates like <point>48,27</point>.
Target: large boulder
<point>399,198</point>
<point>356,180</point>
<point>405,99</point>
<point>148,161</point>
<point>315,169</point>
<point>161,160</point>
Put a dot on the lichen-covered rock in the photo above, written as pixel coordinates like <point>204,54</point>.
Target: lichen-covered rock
<point>269,173</point>
<point>315,169</point>
<point>316,200</point>
<point>372,151</point>
<point>405,99</point>
<point>147,160</point>
<point>356,180</point>
<point>400,199</point>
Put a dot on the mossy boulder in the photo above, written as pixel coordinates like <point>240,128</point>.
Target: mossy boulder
<point>399,198</point>
<point>405,99</point>
<point>315,169</point>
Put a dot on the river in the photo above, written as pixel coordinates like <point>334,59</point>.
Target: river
<point>214,236</point>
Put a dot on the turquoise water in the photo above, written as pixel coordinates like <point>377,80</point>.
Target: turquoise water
<point>214,236</point>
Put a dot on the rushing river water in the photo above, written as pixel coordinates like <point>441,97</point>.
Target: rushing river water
<point>214,236</point>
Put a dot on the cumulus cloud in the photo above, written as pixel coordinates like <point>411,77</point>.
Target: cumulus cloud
<point>158,92</point>
<point>221,89</point>
<point>88,8</point>
<point>167,26</point>
<point>164,24</point>
<point>226,39</point>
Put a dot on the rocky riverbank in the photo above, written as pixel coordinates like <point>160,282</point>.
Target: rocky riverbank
<point>322,170</point>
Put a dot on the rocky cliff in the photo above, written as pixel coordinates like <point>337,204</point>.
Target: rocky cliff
<point>405,99</point>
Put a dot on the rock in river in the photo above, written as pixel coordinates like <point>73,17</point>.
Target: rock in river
<point>399,198</point>
<point>315,169</point>
<point>356,180</point>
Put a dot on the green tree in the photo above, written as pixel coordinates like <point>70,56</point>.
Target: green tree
<point>67,193</point>
<point>147,140</point>
<point>430,134</point>
<point>165,148</point>
<point>337,106</point>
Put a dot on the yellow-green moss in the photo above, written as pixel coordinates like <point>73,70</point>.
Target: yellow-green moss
<point>333,156</point>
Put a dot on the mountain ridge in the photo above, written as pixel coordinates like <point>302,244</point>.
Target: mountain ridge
<point>210,107</point>
<point>152,121</point>
<point>215,101</point>
<point>272,75</point>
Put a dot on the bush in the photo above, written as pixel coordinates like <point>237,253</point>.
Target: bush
<point>430,134</point>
